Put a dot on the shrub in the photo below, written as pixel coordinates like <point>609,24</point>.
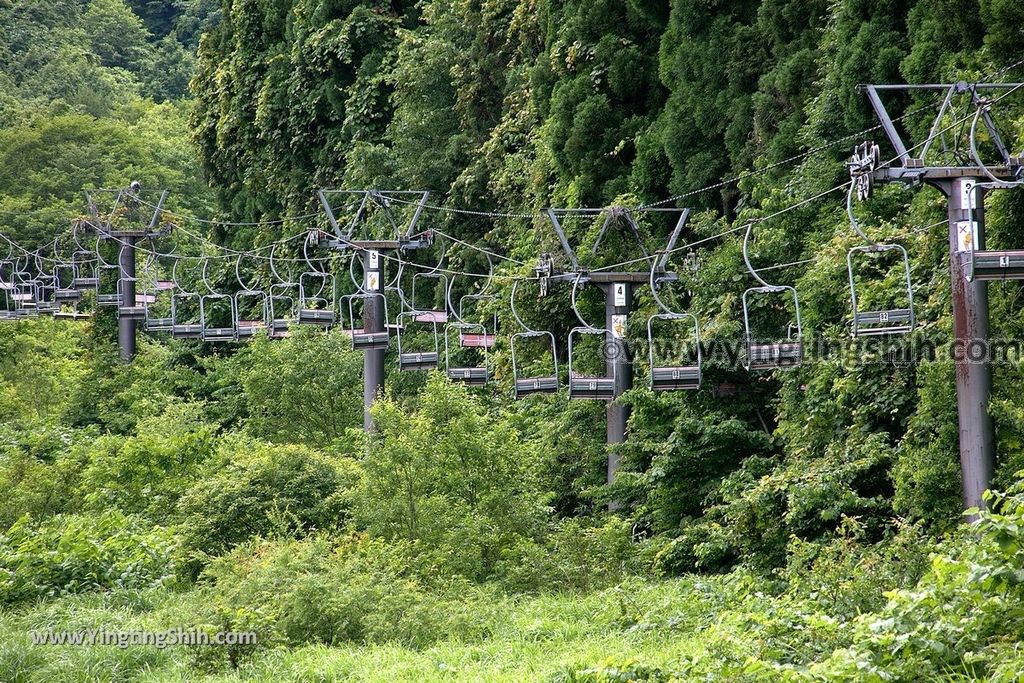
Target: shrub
<point>148,472</point>
<point>254,489</point>
<point>305,389</point>
<point>961,621</point>
<point>323,590</point>
<point>39,471</point>
<point>452,478</point>
<point>579,555</point>
<point>77,553</point>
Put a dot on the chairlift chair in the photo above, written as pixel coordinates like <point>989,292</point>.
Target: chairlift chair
<point>154,322</point>
<point>318,292</point>
<point>251,307</point>
<point>429,315</point>
<point>675,377</point>
<point>217,325</point>
<point>283,313</point>
<point>86,278</point>
<point>363,339</point>
<point>23,294</point>
<point>585,386</point>
<point>183,325</point>
<point>898,320</point>
<point>134,308</point>
<point>993,264</point>
<point>411,361</point>
<point>282,302</point>
<point>7,305</point>
<point>46,287</point>
<point>471,336</point>
<point>769,355</point>
<point>526,384</point>
<point>476,339</point>
<point>66,297</point>
<point>315,308</point>
<point>66,293</point>
<point>108,285</point>
<point>252,313</point>
<point>887,321</point>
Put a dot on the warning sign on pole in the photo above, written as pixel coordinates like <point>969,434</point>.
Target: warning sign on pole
<point>967,235</point>
<point>618,326</point>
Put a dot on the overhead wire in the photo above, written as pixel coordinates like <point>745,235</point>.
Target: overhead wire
<point>256,252</point>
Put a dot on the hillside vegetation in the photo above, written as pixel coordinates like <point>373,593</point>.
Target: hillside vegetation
<point>798,525</point>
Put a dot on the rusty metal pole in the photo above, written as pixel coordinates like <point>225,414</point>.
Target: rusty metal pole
<point>618,303</point>
<point>126,326</point>
<point>971,341</point>
<point>373,321</point>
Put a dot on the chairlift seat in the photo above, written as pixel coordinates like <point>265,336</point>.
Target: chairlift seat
<point>876,323</point>
<point>997,265</point>
<point>439,317</point>
<point>187,331</point>
<point>675,378</point>
<point>369,341</point>
<point>316,316</point>
<point>67,295</point>
<point>476,340</point>
<point>471,376</point>
<point>591,387</point>
<point>218,334</point>
<point>425,360</point>
<point>45,308</point>
<point>71,315</point>
<point>774,355</point>
<point>158,324</point>
<point>526,386</point>
<point>83,283</point>
<point>131,312</point>
<point>165,285</point>
<point>247,329</point>
<point>108,299</point>
<point>279,327</point>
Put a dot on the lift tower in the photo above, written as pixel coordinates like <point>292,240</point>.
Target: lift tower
<point>125,216</point>
<point>618,288</point>
<point>959,172</point>
<point>353,232</point>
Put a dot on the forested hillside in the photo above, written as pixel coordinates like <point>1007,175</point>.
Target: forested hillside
<point>802,524</point>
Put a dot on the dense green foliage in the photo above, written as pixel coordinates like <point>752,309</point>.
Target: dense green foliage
<point>796,526</point>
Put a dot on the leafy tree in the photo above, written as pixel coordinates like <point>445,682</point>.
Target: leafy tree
<point>117,36</point>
